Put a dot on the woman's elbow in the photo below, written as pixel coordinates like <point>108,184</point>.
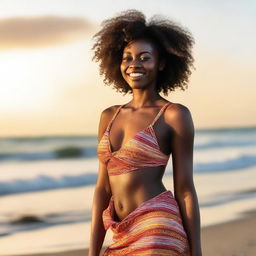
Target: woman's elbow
<point>184,189</point>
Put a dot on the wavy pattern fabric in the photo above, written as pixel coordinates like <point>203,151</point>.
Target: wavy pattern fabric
<point>139,152</point>
<point>154,228</point>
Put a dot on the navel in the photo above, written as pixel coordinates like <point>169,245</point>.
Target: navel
<point>120,206</point>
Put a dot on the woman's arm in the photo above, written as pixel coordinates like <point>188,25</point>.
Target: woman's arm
<point>181,122</point>
<point>101,197</point>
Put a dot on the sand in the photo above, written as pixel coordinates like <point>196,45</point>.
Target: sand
<point>233,238</point>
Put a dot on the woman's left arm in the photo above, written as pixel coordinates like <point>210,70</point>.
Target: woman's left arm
<point>179,118</point>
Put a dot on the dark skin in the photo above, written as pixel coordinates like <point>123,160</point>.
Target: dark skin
<point>175,134</point>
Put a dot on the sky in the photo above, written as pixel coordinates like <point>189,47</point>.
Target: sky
<point>49,84</point>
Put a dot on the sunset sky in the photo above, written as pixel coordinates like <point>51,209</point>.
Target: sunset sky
<point>50,86</point>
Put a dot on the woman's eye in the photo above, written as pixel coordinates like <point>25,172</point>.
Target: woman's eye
<point>126,58</point>
<point>144,58</point>
<point>130,58</point>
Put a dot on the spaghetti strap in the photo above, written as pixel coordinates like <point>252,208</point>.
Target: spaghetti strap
<point>160,112</point>
<point>139,152</point>
<point>114,116</point>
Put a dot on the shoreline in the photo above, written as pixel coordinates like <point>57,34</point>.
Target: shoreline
<point>234,237</point>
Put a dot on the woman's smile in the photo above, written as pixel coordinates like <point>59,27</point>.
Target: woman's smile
<point>139,66</point>
<point>144,58</point>
<point>136,76</point>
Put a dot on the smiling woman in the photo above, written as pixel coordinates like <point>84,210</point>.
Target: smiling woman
<point>136,139</point>
<point>139,62</point>
<point>173,44</point>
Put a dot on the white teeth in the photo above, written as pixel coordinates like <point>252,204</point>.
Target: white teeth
<point>135,74</point>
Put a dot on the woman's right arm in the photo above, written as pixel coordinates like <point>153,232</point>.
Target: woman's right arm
<point>101,196</point>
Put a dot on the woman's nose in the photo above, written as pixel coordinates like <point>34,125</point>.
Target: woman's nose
<point>135,63</point>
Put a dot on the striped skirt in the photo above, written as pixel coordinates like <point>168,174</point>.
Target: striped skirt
<point>153,228</point>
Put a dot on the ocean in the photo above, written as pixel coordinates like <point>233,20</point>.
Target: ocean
<point>47,184</point>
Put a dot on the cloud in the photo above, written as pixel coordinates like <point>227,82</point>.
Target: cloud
<point>43,31</point>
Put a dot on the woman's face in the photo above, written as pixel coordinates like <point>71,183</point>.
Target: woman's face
<point>140,64</point>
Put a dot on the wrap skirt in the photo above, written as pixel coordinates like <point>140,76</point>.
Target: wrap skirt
<point>154,228</point>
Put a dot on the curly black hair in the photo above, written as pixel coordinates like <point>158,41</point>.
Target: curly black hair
<point>173,42</point>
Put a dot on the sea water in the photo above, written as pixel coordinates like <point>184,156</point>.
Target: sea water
<point>47,184</point>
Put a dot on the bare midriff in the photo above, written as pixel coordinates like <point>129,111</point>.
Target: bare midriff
<point>131,189</point>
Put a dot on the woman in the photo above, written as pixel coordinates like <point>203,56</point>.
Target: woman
<point>137,138</point>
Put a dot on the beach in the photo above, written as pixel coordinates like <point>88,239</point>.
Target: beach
<point>47,186</point>
<point>233,238</point>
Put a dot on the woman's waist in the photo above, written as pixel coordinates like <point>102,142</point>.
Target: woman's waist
<point>127,200</point>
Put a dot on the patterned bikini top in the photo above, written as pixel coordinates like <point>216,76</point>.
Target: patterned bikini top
<point>141,151</point>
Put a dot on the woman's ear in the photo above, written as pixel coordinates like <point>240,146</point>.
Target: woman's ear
<point>161,64</point>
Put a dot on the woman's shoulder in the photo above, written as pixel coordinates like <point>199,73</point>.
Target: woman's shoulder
<point>110,110</point>
<point>177,112</point>
<point>105,117</point>
<point>177,108</point>
<point>108,113</point>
